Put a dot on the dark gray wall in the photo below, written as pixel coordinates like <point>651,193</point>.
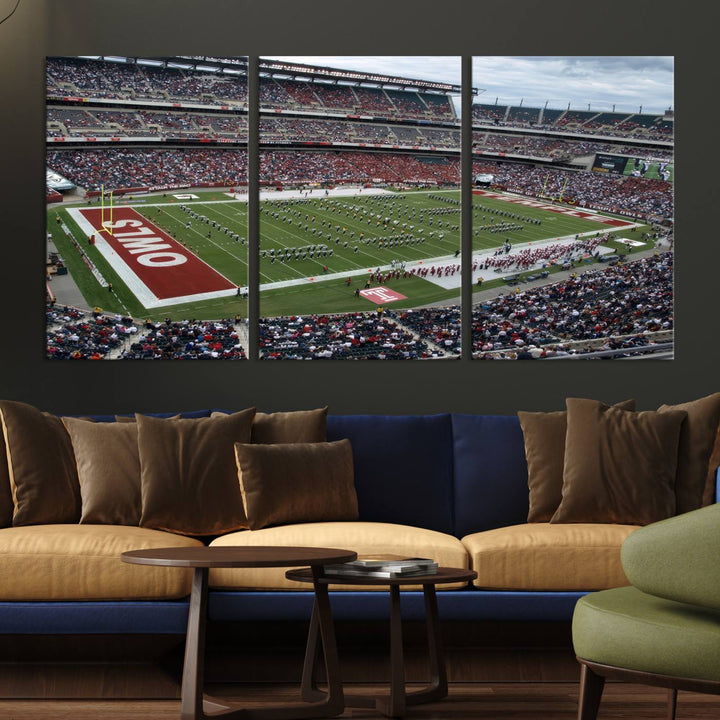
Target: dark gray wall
<point>365,27</point>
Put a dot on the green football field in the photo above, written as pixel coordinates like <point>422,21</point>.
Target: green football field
<point>316,251</point>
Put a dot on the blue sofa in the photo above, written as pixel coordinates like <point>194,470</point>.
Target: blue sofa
<point>455,474</point>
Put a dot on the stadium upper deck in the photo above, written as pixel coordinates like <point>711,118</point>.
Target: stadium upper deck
<point>175,102</point>
<point>222,84</point>
<point>385,126</point>
<point>637,126</point>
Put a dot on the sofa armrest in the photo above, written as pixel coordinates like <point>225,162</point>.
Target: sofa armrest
<point>677,558</point>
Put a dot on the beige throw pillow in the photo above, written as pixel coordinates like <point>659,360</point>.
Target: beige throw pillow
<point>108,466</point>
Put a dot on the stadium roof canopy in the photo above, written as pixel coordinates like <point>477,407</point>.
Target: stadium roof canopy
<point>277,68</point>
<point>287,70</point>
<point>230,66</point>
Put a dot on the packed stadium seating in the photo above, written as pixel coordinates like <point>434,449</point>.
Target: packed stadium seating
<point>132,168</point>
<point>188,167</point>
<point>619,307</point>
<point>73,334</point>
<point>99,79</point>
<point>630,299</point>
<point>345,336</point>
<point>167,117</point>
<point>613,193</point>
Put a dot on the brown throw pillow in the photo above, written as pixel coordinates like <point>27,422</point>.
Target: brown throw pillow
<point>41,466</point>
<point>697,438</point>
<point>297,426</point>
<point>108,466</point>
<point>131,418</point>
<point>619,466</point>
<point>544,436</point>
<point>6,500</point>
<point>297,483</point>
<point>188,474</point>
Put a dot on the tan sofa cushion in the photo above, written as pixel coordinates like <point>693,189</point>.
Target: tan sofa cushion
<point>544,556</point>
<point>82,562</point>
<point>365,538</point>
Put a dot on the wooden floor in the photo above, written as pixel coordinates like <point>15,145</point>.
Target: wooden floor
<point>476,701</point>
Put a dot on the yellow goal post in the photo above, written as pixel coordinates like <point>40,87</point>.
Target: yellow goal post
<point>103,208</point>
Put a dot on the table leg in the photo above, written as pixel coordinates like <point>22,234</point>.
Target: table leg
<point>395,705</point>
<point>193,669</point>
<point>398,700</point>
<point>321,636</point>
<point>438,687</point>
<point>322,611</point>
<point>195,707</point>
<point>309,688</point>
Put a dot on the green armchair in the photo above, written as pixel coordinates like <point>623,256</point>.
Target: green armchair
<point>664,629</point>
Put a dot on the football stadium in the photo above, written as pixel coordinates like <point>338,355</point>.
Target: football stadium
<point>360,218</point>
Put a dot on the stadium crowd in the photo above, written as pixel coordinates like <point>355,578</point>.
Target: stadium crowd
<point>609,192</point>
<point>93,78</point>
<point>128,168</point>
<point>349,336</point>
<point>630,299</point>
<point>440,325</point>
<point>616,308</point>
<point>71,122</point>
<point>132,168</point>
<point>99,79</point>
<point>186,340</point>
<point>558,149</point>
<point>73,334</point>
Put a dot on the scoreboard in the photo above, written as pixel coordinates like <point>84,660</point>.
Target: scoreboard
<point>610,163</point>
<point>630,165</point>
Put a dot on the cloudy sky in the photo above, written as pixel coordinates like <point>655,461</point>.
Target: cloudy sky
<point>626,82</point>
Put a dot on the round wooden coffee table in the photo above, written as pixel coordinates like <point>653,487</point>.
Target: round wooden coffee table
<point>395,704</point>
<point>201,559</point>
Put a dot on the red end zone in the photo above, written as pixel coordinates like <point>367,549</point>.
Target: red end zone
<point>140,251</point>
<point>554,208</point>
